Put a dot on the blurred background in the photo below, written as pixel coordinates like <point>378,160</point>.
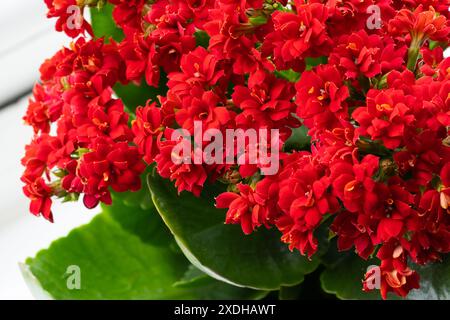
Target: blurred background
<point>27,38</point>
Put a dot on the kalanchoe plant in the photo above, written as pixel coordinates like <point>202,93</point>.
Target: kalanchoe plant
<point>362,115</point>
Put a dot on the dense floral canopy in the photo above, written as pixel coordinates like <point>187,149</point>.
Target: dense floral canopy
<point>376,106</point>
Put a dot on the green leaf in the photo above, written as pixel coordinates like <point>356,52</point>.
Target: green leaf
<point>115,264</point>
<point>314,62</point>
<point>259,260</point>
<point>192,277</point>
<point>196,279</point>
<point>103,23</point>
<point>344,278</point>
<point>139,217</point>
<point>201,38</point>
<point>299,140</point>
<point>289,293</point>
<point>33,283</point>
<point>134,96</point>
<point>434,281</point>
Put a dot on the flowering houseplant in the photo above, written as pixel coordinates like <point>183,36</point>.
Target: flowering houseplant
<point>355,187</point>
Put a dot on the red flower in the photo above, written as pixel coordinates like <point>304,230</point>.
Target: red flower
<point>431,59</point>
<point>369,55</point>
<point>126,168</point>
<point>394,208</point>
<point>186,174</point>
<point>386,117</point>
<point>421,24</point>
<point>116,165</point>
<point>128,13</point>
<point>70,17</point>
<point>297,36</point>
<point>396,276</point>
<point>204,108</point>
<point>265,102</point>
<point>43,109</point>
<point>232,38</point>
<point>334,144</point>
<point>71,182</point>
<point>105,117</point>
<point>320,98</point>
<point>353,184</point>
<point>198,68</point>
<point>139,55</point>
<point>148,130</point>
<point>355,230</point>
<point>40,195</point>
<point>41,156</point>
<point>246,208</point>
<point>305,199</point>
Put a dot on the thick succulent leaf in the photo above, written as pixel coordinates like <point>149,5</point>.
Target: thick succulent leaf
<point>192,277</point>
<point>136,214</point>
<point>116,264</point>
<point>289,293</point>
<point>33,283</point>
<point>113,264</point>
<point>434,281</point>
<point>258,260</point>
<point>195,279</point>
<point>344,278</point>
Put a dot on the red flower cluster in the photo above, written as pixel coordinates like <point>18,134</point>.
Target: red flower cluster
<point>380,149</point>
<point>377,111</point>
<point>82,137</point>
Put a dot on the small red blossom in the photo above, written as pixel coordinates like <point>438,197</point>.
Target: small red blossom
<point>297,36</point>
<point>266,101</point>
<point>360,54</point>
<point>109,165</point>
<point>148,130</point>
<point>305,199</point>
<point>180,167</point>
<point>353,184</point>
<point>321,98</point>
<point>205,108</point>
<point>386,117</point>
<point>197,68</point>
<point>423,23</point>
<point>246,208</point>
<point>40,195</point>
<point>396,276</point>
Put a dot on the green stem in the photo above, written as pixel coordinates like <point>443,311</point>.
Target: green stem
<point>413,54</point>
<point>413,51</point>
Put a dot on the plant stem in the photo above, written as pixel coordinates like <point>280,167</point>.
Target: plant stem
<point>413,53</point>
